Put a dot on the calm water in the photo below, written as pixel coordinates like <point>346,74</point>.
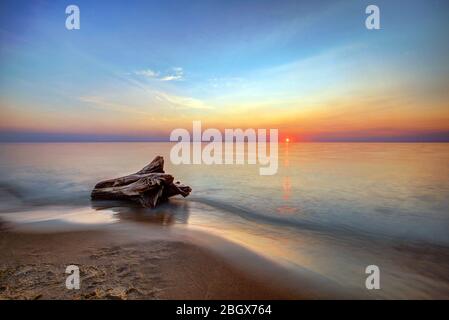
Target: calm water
<point>332,208</point>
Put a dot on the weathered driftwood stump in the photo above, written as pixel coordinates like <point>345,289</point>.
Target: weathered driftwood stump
<point>150,186</point>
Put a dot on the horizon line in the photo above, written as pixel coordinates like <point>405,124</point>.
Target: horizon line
<point>55,137</point>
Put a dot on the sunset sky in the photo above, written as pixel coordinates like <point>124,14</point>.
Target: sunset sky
<point>136,71</point>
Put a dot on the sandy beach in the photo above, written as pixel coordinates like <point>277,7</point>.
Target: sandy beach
<point>118,264</point>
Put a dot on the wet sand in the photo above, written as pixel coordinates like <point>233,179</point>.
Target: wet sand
<point>123,262</point>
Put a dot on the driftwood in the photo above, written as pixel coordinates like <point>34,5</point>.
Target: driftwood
<point>150,186</point>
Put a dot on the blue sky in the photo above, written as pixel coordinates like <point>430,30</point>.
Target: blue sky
<point>141,68</point>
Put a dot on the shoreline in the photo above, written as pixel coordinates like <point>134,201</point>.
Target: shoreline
<point>132,255</point>
<point>128,261</point>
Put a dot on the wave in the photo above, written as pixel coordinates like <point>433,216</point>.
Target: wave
<point>16,196</point>
<point>334,229</point>
<point>247,214</point>
<point>35,193</point>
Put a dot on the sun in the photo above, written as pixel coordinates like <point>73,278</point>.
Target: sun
<point>287,140</point>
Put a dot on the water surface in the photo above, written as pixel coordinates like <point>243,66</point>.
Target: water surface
<point>333,208</point>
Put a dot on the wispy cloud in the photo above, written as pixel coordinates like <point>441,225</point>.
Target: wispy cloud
<point>226,82</point>
<point>147,73</point>
<point>180,102</point>
<point>101,103</point>
<point>175,74</point>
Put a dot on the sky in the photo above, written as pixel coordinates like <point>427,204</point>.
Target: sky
<point>136,70</point>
